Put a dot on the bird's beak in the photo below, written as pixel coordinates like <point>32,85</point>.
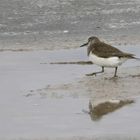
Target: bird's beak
<point>84,44</point>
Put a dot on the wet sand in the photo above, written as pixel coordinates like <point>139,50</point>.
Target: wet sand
<point>40,100</point>
<point>45,94</point>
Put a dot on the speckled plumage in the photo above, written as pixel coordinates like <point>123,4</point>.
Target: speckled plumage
<point>104,50</point>
<point>105,55</point>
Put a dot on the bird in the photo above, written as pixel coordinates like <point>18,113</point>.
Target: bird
<point>105,55</point>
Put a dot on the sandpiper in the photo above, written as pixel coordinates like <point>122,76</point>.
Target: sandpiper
<point>105,55</point>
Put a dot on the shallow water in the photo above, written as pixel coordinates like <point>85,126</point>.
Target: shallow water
<point>57,24</point>
<point>55,118</point>
<point>40,100</point>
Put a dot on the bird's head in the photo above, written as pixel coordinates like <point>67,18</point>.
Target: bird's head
<point>91,40</point>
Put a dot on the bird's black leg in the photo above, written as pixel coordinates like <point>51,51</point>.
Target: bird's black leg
<point>115,74</point>
<point>94,73</point>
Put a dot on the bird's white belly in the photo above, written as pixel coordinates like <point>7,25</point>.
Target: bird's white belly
<point>106,62</point>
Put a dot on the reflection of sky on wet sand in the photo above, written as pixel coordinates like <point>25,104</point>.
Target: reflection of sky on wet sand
<point>42,99</point>
<point>65,118</point>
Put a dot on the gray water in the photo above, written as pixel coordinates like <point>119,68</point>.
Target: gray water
<point>57,24</point>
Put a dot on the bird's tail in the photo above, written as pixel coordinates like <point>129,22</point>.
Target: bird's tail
<point>131,56</point>
<point>135,58</point>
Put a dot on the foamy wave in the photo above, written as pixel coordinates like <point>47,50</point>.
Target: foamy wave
<point>119,11</point>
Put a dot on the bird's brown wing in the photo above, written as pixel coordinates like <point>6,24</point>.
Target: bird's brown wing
<point>104,50</point>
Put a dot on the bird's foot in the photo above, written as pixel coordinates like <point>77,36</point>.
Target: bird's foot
<point>91,74</point>
<point>114,78</point>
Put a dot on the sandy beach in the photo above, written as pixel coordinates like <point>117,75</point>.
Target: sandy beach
<point>45,93</point>
<point>40,100</point>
